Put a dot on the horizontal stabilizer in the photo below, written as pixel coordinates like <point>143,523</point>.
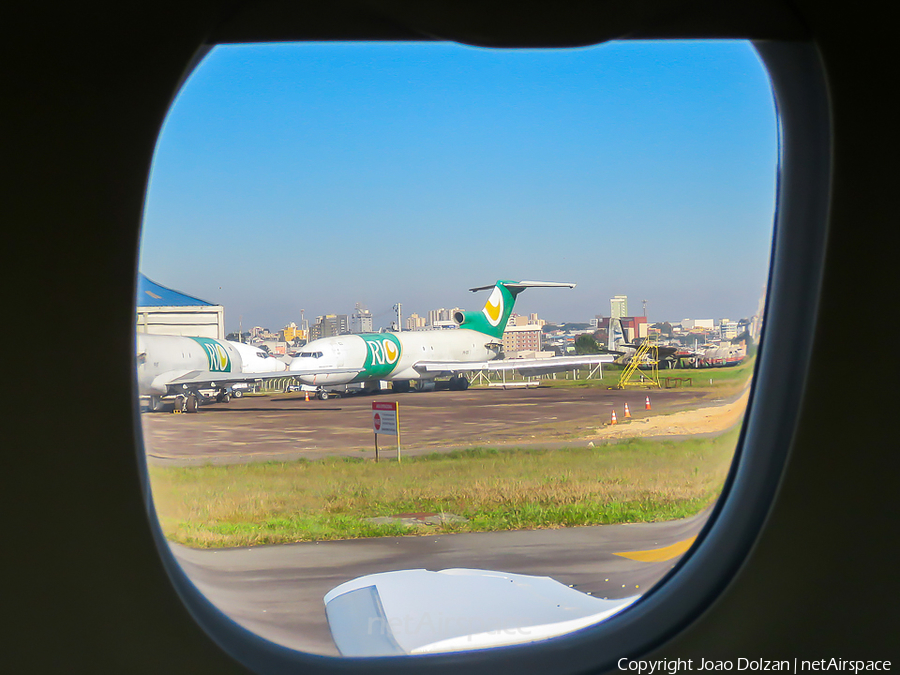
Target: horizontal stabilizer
<point>520,285</point>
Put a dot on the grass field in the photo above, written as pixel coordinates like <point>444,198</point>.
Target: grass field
<point>267,503</point>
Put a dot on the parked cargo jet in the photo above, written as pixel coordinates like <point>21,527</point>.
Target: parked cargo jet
<point>185,367</point>
<point>426,355</point>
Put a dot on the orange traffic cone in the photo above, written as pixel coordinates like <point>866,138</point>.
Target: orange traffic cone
<point>627,412</point>
<point>307,395</point>
<point>647,404</point>
<point>613,420</point>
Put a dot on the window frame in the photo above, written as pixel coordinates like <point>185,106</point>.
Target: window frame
<point>804,181</point>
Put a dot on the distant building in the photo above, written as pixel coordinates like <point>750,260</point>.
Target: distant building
<point>618,306</point>
<point>530,320</point>
<point>521,337</point>
<point>438,318</point>
<point>633,327</point>
<point>329,326</point>
<point>415,322</point>
<point>361,320</point>
<point>291,332</point>
<point>728,329</point>
<point>163,311</point>
<point>696,325</point>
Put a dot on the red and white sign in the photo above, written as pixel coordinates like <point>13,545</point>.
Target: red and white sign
<point>384,418</point>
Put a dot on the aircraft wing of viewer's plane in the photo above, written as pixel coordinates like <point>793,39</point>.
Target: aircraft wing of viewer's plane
<point>423,612</point>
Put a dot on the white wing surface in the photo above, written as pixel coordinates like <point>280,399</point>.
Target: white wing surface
<point>423,612</point>
<point>556,364</point>
<point>199,378</point>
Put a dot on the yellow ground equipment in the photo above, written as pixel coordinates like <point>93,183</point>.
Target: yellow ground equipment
<point>646,355</point>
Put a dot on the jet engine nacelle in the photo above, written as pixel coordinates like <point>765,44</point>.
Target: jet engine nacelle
<point>463,318</point>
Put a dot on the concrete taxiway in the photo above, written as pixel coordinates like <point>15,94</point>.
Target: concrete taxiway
<point>277,591</point>
<point>285,427</point>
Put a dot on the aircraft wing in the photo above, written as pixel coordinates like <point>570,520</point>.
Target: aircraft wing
<point>198,378</point>
<point>664,351</point>
<point>423,612</point>
<point>555,364</point>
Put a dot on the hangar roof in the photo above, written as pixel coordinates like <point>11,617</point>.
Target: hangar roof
<point>151,294</point>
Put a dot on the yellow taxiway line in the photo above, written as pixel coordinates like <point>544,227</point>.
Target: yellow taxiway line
<point>659,554</point>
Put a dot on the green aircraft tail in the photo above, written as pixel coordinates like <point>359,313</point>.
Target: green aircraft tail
<point>491,320</point>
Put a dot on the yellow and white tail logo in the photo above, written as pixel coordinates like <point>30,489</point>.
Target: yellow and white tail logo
<point>390,351</point>
<point>493,308</point>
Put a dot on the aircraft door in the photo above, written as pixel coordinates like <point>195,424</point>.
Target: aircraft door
<point>339,354</point>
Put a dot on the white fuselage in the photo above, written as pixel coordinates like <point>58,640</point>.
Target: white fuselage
<point>390,356</point>
<point>163,358</point>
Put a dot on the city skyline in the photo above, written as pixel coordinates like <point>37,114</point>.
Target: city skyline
<point>427,323</point>
<point>318,176</point>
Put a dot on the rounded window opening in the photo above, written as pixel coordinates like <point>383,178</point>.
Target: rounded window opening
<point>462,339</point>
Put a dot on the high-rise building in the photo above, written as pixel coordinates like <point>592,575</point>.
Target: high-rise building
<point>329,325</point>
<point>618,306</point>
<point>415,322</point>
<point>438,316</point>
<point>361,320</point>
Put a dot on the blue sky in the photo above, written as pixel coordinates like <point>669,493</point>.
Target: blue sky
<point>316,176</point>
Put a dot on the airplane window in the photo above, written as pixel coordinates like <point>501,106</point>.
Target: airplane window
<point>538,283</point>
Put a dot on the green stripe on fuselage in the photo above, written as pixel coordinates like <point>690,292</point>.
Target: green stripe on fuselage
<point>216,355</point>
<point>383,352</point>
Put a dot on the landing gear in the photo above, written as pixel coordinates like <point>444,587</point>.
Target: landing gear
<point>192,403</point>
<point>322,394</point>
<point>187,403</point>
<point>400,386</point>
<point>459,383</point>
<point>223,396</point>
